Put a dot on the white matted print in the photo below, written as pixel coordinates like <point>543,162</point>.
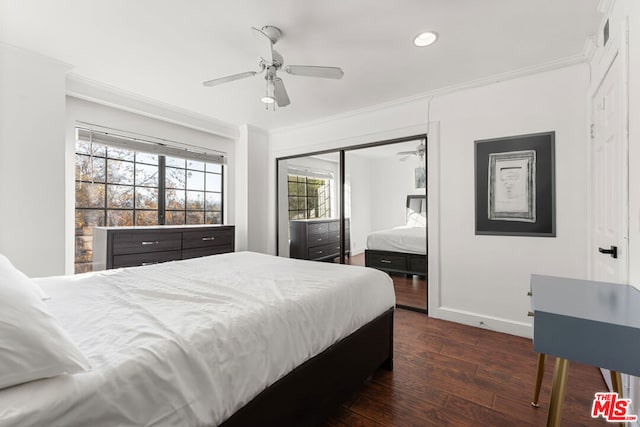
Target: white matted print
<point>512,186</point>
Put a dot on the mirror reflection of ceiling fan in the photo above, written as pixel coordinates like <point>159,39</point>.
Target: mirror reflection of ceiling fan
<point>271,62</point>
<point>419,151</point>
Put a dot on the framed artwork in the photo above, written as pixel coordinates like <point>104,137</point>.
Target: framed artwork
<point>421,177</point>
<point>515,185</point>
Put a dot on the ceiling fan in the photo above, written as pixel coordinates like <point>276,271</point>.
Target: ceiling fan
<point>271,62</point>
<point>419,151</point>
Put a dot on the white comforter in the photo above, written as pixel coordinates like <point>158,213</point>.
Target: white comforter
<point>188,343</point>
<point>400,239</point>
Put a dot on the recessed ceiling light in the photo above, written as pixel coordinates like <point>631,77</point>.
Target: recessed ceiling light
<point>425,39</point>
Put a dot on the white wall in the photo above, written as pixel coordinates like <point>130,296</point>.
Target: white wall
<point>257,169</point>
<point>489,275</point>
<point>393,181</point>
<point>482,278</point>
<point>79,110</point>
<point>358,194</point>
<point>32,161</point>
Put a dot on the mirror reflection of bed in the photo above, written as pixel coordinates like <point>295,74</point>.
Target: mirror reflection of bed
<point>401,251</point>
<point>386,205</point>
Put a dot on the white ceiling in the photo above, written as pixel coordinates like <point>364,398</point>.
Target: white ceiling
<point>164,49</point>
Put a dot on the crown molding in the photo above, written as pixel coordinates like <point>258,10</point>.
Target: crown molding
<point>590,48</point>
<point>111,96</point>
<point>484,81</point>
<point>34,55</point>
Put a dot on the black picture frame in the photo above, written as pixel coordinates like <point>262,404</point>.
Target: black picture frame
<point>515,185</point>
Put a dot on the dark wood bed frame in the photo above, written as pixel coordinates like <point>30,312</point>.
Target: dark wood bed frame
<point>398,262</point>
<point>312,391</point>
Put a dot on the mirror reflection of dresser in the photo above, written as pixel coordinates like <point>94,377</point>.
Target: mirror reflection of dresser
<point>317,239</point>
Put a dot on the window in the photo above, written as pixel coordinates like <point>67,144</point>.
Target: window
<point>309,197</point>
<point>116,186</point>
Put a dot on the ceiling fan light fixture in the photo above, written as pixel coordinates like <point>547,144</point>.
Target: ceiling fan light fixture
<point>269,97</point>
<point>425,39</point>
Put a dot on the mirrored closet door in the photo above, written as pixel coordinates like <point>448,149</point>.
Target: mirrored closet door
<point>381,224</point>
<point>309,207</point>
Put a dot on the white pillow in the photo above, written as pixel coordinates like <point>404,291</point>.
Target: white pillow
<point>33,344</point>
<point>7,268</point>
<point>415,219</point>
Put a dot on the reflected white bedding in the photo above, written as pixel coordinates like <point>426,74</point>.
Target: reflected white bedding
<point>188,343</point>
<point>399,239</point>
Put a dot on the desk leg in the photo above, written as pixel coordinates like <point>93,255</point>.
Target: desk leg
<point>557,392</point>
<point>539,377</point>
<point>616,384</point>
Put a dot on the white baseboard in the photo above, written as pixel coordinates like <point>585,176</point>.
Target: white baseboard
<point>482,321</point>
<point>357,251</point>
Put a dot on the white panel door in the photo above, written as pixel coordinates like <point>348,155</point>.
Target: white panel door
<point>609,193</point>
<point>609,179</point>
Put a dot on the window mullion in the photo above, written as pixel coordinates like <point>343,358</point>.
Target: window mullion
<point>162,162</point>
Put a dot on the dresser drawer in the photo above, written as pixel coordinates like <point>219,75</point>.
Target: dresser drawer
<point>323,251</point>
<point>207,238</point>
<point>134,243</point>
<point>334,236</point>
<point>321,228</point>
<point>132,260</point>
<point>211,250</point>
<point>393,262</point>
<point>318,239</point>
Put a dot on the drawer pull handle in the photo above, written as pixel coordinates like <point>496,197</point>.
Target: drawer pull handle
<point>319,239</point>
<point>385,261</point>
<point>154,242</point>
<point>150,263</point>
<point>208,238</point>
<point>319,252</point>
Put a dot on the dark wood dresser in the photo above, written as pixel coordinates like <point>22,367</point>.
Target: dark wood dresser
<point>115,247</point>
<point>317,239</point>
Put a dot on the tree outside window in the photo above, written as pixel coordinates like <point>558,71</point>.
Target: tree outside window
<point>119,187</point>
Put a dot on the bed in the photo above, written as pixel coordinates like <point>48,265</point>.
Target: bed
<point>237,339</point>
<point>401,249</point>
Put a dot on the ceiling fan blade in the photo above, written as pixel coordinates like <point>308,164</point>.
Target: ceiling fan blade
<point>314,71</point>
<point>264,44</point>
<point>280,93</point>
<point>231,78</point>
<point>400,153</point>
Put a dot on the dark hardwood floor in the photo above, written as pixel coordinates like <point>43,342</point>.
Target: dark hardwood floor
<point>410,291</point>
<point>447,374</point>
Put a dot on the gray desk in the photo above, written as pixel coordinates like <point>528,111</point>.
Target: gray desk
<point>595,323</point>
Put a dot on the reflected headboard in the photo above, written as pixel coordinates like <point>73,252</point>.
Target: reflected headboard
<point>416,212</point>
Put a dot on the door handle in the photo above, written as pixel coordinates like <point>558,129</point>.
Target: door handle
<point>613,251</point>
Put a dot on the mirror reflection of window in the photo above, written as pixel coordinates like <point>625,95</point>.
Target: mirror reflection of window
<point>309,197</point>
